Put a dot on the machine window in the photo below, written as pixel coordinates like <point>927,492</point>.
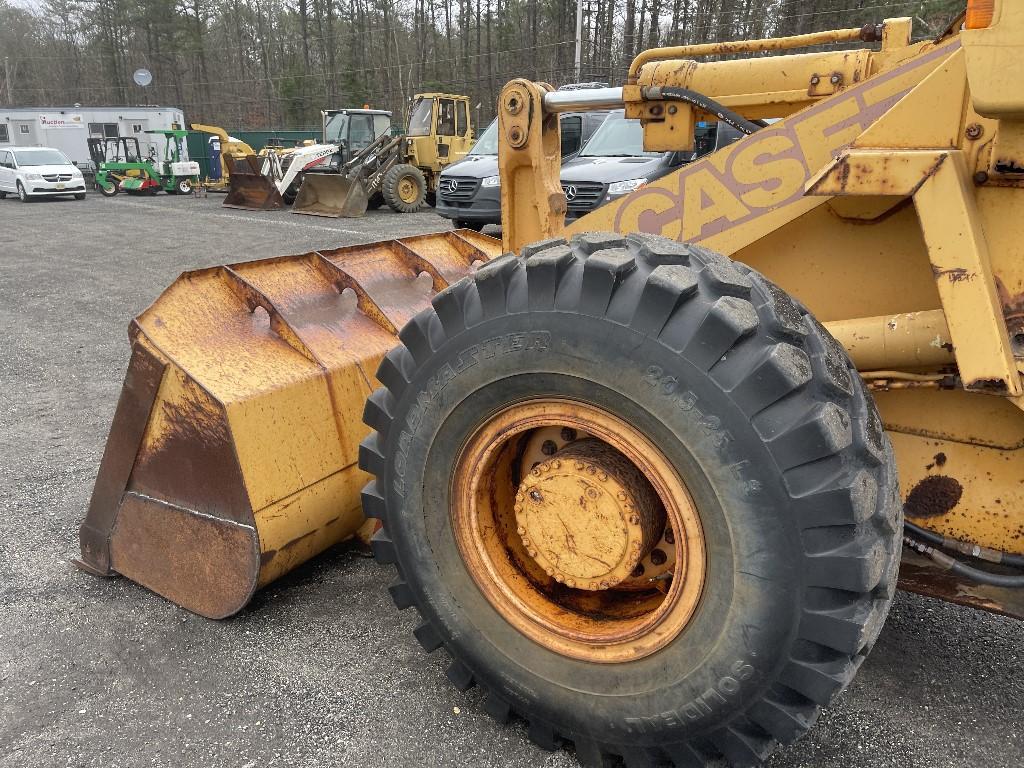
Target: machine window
<point>5,135</point>
<point>381,125</point>
<point>24,128</point>
<point>461,123</point>
<point>360,132</point>
<point>419,119</point>
<point>445,117</point>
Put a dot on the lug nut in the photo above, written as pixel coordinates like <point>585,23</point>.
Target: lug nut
<point>520,530</point>
<point>670,537</point>
<point>536,495</point>
<point>548,447</point>
<point>658,557</point>
<point>974,131</point>
<point>568,434</point>
<point>634,519</point>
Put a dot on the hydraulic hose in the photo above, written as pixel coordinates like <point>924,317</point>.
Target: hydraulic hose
<point>705,103</point>
<point>965,547</point>
<point>953,565</point>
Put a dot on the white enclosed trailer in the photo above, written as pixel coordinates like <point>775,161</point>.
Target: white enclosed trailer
<point>69,128</point>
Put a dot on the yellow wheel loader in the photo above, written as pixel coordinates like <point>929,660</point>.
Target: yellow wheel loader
<point>400,171</point>
<point>648,479</point>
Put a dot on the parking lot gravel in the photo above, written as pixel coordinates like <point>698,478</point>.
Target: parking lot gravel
<point>320,670</point>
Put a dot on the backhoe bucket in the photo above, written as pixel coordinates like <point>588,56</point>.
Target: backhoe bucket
<point>330,194</point>
<point>232,457</point>
<point>250,189</point>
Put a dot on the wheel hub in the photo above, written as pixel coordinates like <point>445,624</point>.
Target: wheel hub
<point>577,530</point>
<point>588,516</point>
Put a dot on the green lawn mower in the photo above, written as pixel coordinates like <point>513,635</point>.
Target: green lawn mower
<point>121,167</point>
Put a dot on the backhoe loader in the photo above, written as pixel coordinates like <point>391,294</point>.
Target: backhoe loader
<point>647,478</point>
<point>402,171</point>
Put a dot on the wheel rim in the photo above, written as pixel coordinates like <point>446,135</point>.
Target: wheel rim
<point>408,190</point>
<point>561,570</point>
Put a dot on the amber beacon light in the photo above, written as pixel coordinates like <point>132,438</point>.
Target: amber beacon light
<point>980,13</point>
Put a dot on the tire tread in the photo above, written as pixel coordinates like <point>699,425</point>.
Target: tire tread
<point>805,399</point>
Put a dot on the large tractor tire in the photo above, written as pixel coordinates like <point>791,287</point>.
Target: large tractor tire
<point>640,496</point>
<point>404,188</point>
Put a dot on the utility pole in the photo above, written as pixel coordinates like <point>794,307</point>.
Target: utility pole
<point>10,89</point>
<point>579,37</point>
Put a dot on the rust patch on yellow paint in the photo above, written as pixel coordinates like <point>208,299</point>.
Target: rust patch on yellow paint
<point>934,496</point>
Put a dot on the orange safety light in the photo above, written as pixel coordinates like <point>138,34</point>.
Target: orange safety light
<point>980,13</point>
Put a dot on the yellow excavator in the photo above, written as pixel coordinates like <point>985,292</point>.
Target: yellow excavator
<point>230,150</point>
<point>648,478</point>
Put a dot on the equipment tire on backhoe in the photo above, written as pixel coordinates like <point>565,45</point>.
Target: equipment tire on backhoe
<point>649,498</point>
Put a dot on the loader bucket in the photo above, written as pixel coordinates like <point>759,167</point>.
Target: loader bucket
<point>330,194</point>
<point>250,189</point>
<point>232,457</point>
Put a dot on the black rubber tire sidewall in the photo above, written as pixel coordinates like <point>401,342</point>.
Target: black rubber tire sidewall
<point>389,188</point>
<point>781,547</point>
<point>737,613</point>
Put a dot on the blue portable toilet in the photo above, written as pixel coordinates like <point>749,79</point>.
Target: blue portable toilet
<point>214,155</point>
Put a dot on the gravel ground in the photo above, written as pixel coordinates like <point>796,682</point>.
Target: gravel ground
<point>319,670</point>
